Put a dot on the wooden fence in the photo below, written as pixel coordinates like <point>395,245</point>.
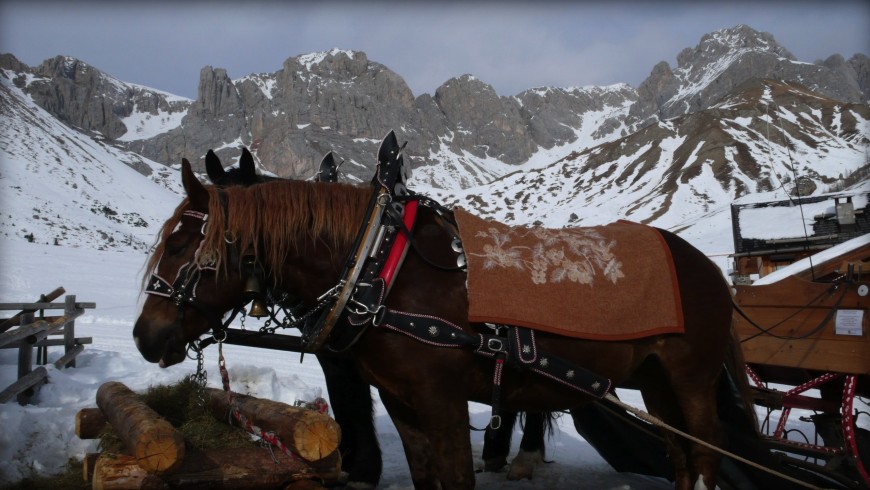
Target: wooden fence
<point>26,330</point>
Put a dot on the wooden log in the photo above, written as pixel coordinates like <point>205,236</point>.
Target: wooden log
<point>89,462</point>
<point>245,468</point>
<point>157,446</point>
<point>25,387</point>
<point>70,357</point>
<point>310,434</point>
<point>90,423</point>
<point>35,330</point>
<point>120,472</point>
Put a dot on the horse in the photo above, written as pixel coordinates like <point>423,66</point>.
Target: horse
<point>350,395</point>
<point>301,233</point>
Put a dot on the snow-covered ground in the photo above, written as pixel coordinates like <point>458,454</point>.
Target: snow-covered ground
<point>45,440</point>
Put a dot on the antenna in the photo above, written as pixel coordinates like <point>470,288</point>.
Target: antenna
<point>797,189</point>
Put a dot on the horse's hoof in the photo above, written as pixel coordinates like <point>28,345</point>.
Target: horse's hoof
<point>494,465</point>
<point>523,466</point>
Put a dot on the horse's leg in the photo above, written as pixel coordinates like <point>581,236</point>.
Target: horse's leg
<point>531,451</point>
<point>497,442</point>
<point>351,400</point>
<point>686,399</point>
<point>697,399</point>
<point>434,431</point>
<point>661,403</point>
<point>418,450</point>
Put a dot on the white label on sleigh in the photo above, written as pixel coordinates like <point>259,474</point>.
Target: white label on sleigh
<point>849,322</point>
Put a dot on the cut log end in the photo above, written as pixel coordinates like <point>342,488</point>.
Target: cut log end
<point>316,439</point>
<point>162,451</point>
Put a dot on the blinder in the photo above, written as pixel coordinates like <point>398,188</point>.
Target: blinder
<point>182,291</point>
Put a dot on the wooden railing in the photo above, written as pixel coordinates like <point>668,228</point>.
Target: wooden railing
<point>25,331</point>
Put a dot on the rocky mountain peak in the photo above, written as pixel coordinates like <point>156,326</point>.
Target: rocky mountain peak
<point>722,61</point>
<point>720,44</point>
<point>463,135</point>
<point>335,62</point>
<point>217,95</point>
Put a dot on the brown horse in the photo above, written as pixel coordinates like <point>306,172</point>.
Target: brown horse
<point>302,232</point>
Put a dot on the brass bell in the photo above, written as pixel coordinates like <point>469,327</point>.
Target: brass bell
<point>254,290</point>
<point>258,309</point>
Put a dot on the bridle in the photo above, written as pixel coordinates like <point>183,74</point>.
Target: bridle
<point>182,290</point>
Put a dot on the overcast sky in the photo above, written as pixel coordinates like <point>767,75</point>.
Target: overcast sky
<point>510,45</point>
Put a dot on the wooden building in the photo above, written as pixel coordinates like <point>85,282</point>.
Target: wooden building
<point>772,235</point>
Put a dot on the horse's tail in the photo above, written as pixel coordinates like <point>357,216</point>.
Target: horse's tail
<point>735,378</point>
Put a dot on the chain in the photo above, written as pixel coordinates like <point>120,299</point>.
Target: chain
<point>297,322</point>
<point>199,378</point>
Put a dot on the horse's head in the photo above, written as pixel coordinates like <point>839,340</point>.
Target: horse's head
<point>295,234</point>
<point>192,282</point>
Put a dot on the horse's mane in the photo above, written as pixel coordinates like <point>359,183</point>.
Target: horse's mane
<point>273,219</point>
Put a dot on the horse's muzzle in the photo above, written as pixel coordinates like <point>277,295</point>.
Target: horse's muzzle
<point>158,344</point>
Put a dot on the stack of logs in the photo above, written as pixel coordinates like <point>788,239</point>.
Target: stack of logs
<point>156,457</point>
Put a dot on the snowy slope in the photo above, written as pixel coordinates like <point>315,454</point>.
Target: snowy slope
<point>683,174</point>
<point>61,187</point>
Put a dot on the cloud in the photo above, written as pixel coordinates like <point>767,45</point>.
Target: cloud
<point>511,45</point>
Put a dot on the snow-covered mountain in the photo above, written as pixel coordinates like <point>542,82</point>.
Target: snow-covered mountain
<point>738,116</point>
<point>755,141</point>
<point>61,186</point>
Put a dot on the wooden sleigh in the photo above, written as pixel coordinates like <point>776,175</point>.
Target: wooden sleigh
<point>806,340</point>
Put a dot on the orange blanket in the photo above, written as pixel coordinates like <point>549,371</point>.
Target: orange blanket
<point>613,282</point>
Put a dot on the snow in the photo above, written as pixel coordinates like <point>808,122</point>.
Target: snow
<point>144,125</point>
<point>45,438</point>
<point>309,60</point>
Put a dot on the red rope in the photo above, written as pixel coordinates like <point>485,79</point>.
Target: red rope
<point>268,436</point>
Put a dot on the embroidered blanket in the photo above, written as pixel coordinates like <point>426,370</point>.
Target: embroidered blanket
<point>613,282</point>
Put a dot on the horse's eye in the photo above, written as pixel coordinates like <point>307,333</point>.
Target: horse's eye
<point>175,250</point>
<point>175,247</point>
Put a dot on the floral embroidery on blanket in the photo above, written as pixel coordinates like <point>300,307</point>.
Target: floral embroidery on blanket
<point>577,255</point>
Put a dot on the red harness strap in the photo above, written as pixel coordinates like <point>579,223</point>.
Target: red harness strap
<point>400,247</point>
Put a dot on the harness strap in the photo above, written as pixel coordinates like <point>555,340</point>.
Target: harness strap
<point>520,345</point>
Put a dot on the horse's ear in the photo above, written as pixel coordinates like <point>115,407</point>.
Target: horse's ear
<point>194,188</point>
<point>246,165</point>
<point>214,168</point>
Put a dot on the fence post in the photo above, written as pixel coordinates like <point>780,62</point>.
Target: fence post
<point>25,358</point>
<point>69,334</point>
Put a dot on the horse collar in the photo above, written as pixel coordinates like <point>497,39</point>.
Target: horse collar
<point>371,269</point>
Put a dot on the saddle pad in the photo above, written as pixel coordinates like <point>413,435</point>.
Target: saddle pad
<point>613,282</point>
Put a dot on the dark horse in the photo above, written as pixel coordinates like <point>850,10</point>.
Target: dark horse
<point>302,232</point>
<point>350,395</point>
